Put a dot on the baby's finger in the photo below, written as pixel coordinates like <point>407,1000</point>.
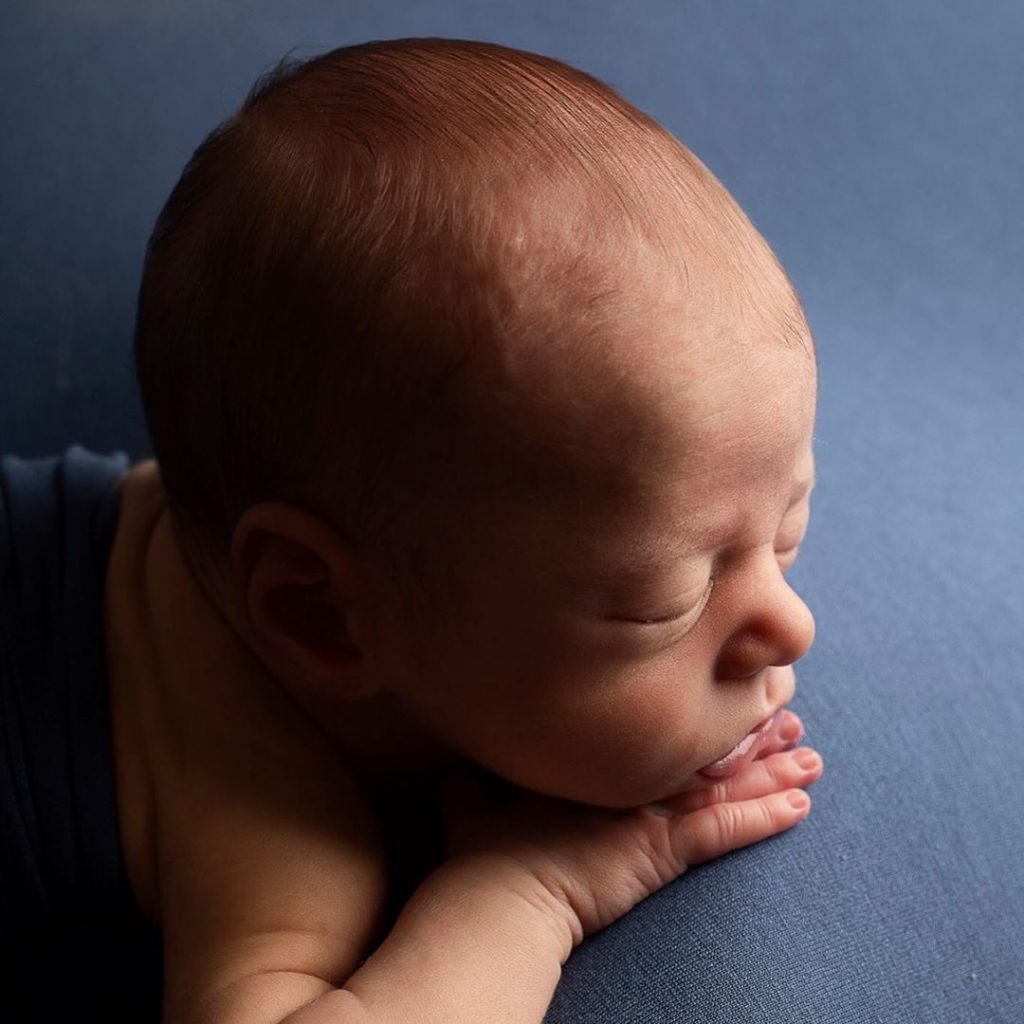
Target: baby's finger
<point>720,828</point>
<point>785,735</point>
<point>780,771</point>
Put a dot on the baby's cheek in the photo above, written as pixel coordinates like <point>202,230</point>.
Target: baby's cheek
<point>651,740</point>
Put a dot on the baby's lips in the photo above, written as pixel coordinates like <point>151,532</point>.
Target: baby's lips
<point>767,736</point>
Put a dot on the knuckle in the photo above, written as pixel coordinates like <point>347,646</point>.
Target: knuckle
<point>728,819</point>
<point>770,811</point>
<point>779,770</point>
<point>718,793</point>
<point>658,851</point>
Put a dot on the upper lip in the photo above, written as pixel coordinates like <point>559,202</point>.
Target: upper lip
<point>790,689</point>
<point>760,728</point>
<point>760,725</point>
<point>771,713</point>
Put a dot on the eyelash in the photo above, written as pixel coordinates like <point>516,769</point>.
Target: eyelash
<point>676,616</point>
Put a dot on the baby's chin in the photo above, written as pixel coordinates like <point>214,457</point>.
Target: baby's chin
<point>613,794</point>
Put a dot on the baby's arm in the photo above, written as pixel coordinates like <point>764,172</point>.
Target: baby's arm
<point>272,877</point>
<point>476,942</point>
<point>270,902</point>
<point>485,936</point>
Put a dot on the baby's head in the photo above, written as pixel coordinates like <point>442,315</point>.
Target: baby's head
<point>473,390</point>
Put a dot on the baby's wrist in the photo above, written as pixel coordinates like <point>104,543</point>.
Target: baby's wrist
<point>517,894</point>
<point>472,944</point>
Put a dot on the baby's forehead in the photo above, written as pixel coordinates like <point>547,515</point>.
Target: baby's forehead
<point>616,347</point>
<point>628,420</point>
<point>653,348</point>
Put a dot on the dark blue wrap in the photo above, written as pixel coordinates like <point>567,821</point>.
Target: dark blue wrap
<point>71,935</point>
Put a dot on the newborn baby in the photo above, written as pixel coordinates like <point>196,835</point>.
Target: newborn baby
<point>483,426</point>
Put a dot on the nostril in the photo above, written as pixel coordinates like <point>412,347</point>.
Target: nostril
<point>733,673</point>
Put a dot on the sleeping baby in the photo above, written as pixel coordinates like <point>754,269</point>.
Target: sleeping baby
<point>482,420</point>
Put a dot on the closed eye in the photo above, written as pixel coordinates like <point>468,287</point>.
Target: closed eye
<point>675,616</point>
<point>787,557</point>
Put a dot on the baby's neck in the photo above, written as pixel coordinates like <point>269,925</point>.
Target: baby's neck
<point>385,744</point>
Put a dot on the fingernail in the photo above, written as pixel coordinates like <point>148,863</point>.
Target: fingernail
<point>807,759</point>
<point>791,730</point>
<point>799,799</point>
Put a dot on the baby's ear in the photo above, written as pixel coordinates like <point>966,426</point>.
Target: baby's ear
<point>307,600</point>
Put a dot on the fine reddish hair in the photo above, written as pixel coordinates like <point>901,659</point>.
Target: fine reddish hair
<point>343,256</point>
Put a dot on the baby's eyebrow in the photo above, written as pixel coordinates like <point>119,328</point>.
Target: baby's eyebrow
<point>804,487</point>
<point>654,563</point>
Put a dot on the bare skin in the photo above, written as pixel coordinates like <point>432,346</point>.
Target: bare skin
<point>246,736</point>
<point>541,670</point>
<point>246,836</point>
<point>218,867</point>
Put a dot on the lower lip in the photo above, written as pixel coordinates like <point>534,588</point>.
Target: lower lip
<point>745,751</point>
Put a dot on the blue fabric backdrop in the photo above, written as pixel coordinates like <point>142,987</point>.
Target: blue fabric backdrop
<point>878,146</point>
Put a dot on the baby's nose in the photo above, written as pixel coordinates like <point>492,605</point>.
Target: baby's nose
<point>777,633</point>
<point>796,634</point>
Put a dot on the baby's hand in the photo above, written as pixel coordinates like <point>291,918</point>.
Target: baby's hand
<point>589,866</point>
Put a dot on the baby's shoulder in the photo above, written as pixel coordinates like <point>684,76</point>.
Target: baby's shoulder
<point>243,826</point>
